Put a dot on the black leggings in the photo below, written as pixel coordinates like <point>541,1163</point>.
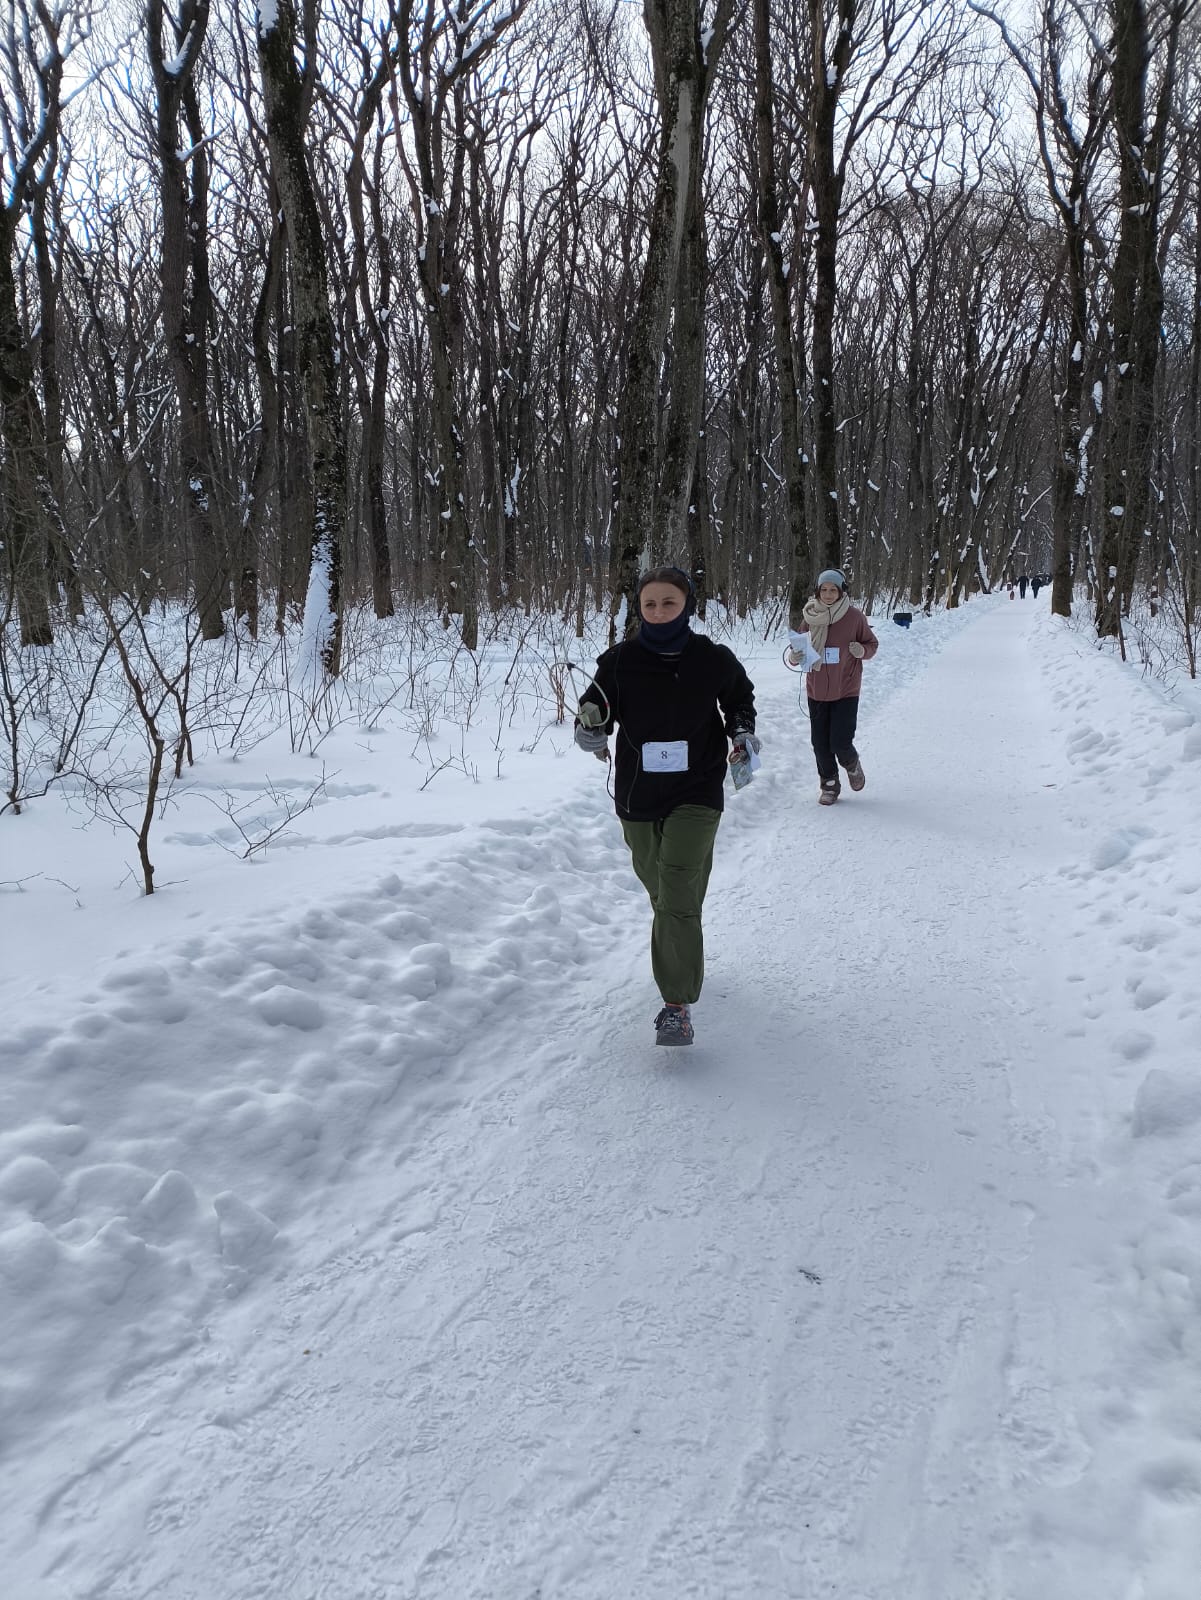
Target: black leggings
<point>832,723</point>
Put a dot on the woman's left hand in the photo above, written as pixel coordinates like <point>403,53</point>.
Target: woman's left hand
<point>743,744</point>
<point>856,649</point>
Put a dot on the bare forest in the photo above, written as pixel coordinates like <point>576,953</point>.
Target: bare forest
<point>461,310</point>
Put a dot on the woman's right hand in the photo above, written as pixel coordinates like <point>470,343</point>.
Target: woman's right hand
<point>592,740</point>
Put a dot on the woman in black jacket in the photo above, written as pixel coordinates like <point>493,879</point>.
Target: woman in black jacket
<point>675,699</point>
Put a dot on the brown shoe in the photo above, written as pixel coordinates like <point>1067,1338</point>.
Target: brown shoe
<point>855,777</point>
<point>829,793</point>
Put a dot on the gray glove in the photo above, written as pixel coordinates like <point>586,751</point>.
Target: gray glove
<point>745,741</point>
<point>856,649</point>
<point>593,740</point>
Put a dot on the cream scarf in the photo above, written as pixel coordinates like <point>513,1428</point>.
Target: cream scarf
<point>821,618</point>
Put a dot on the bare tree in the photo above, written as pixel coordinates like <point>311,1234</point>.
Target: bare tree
<point>1184,553</point>
<point>870,64</point>
<point>287,94</point>
<point>1065,74</point>
<point>1136,290</point>
<point>355,100</point>
<point>183,175</point>
<point>673,280</point>
<point>35,44</point>
<point>787,327</point>
<point>509,246</point>
<point>444,47</point>
<point>48,238</point>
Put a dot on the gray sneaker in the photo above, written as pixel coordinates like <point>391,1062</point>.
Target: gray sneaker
<point>855,777</point>
<point>829,792</point>
<point>673,1025</point>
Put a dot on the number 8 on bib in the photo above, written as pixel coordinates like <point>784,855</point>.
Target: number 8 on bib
<point>665,756</point>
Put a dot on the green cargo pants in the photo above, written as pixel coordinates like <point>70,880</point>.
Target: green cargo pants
<point>673,858</point>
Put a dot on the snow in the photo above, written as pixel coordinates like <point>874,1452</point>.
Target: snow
<point>353,1242</point>
<point>179,62</point>
<point>319,622</point>
<point>511,491</point>
<point>1086,439</point>
<point>681,146</point>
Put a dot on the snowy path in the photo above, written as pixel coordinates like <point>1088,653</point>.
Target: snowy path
<point>827,1306</point>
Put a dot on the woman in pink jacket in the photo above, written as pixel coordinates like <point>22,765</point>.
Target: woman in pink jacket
<point>838,635</point>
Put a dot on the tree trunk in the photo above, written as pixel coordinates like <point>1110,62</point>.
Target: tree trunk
<point>286,106</point>
<point>24,457</point>
<point>828,75</point>
<point>676,475</point>
<point>34,58</point>
<point>265,475</point>
<point>789,358</point>
<point>1137,310</point>
<point>430,84</point>
<point>183,192</point>
<point>1069,484</point>
<point>372,342</point>
<point>63,570</point>
<point>683,75</point>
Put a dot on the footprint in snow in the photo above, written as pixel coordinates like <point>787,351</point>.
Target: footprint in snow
<point>283,1007</point>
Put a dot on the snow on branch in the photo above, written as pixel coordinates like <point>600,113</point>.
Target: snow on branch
<point>181,63</point>
<point>471,54</point>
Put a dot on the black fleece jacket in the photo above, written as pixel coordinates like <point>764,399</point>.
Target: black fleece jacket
<point>702,697</point>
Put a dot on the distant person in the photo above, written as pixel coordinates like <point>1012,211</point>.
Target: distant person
<point>1022,582</point>
<point>674,698</point>
<point>834,641</point>
<point>1036,584</point>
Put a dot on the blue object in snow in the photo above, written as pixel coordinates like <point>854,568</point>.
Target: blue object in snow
<point>902,618</point>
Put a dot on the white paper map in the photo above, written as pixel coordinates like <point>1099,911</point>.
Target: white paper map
<point>801,644</point>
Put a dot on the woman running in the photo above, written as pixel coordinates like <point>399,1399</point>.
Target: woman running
<point>839,636</point>
<point>674,698</point>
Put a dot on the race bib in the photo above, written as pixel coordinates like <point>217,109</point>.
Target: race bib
<point>665,757</point>
<point>831,655</point>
